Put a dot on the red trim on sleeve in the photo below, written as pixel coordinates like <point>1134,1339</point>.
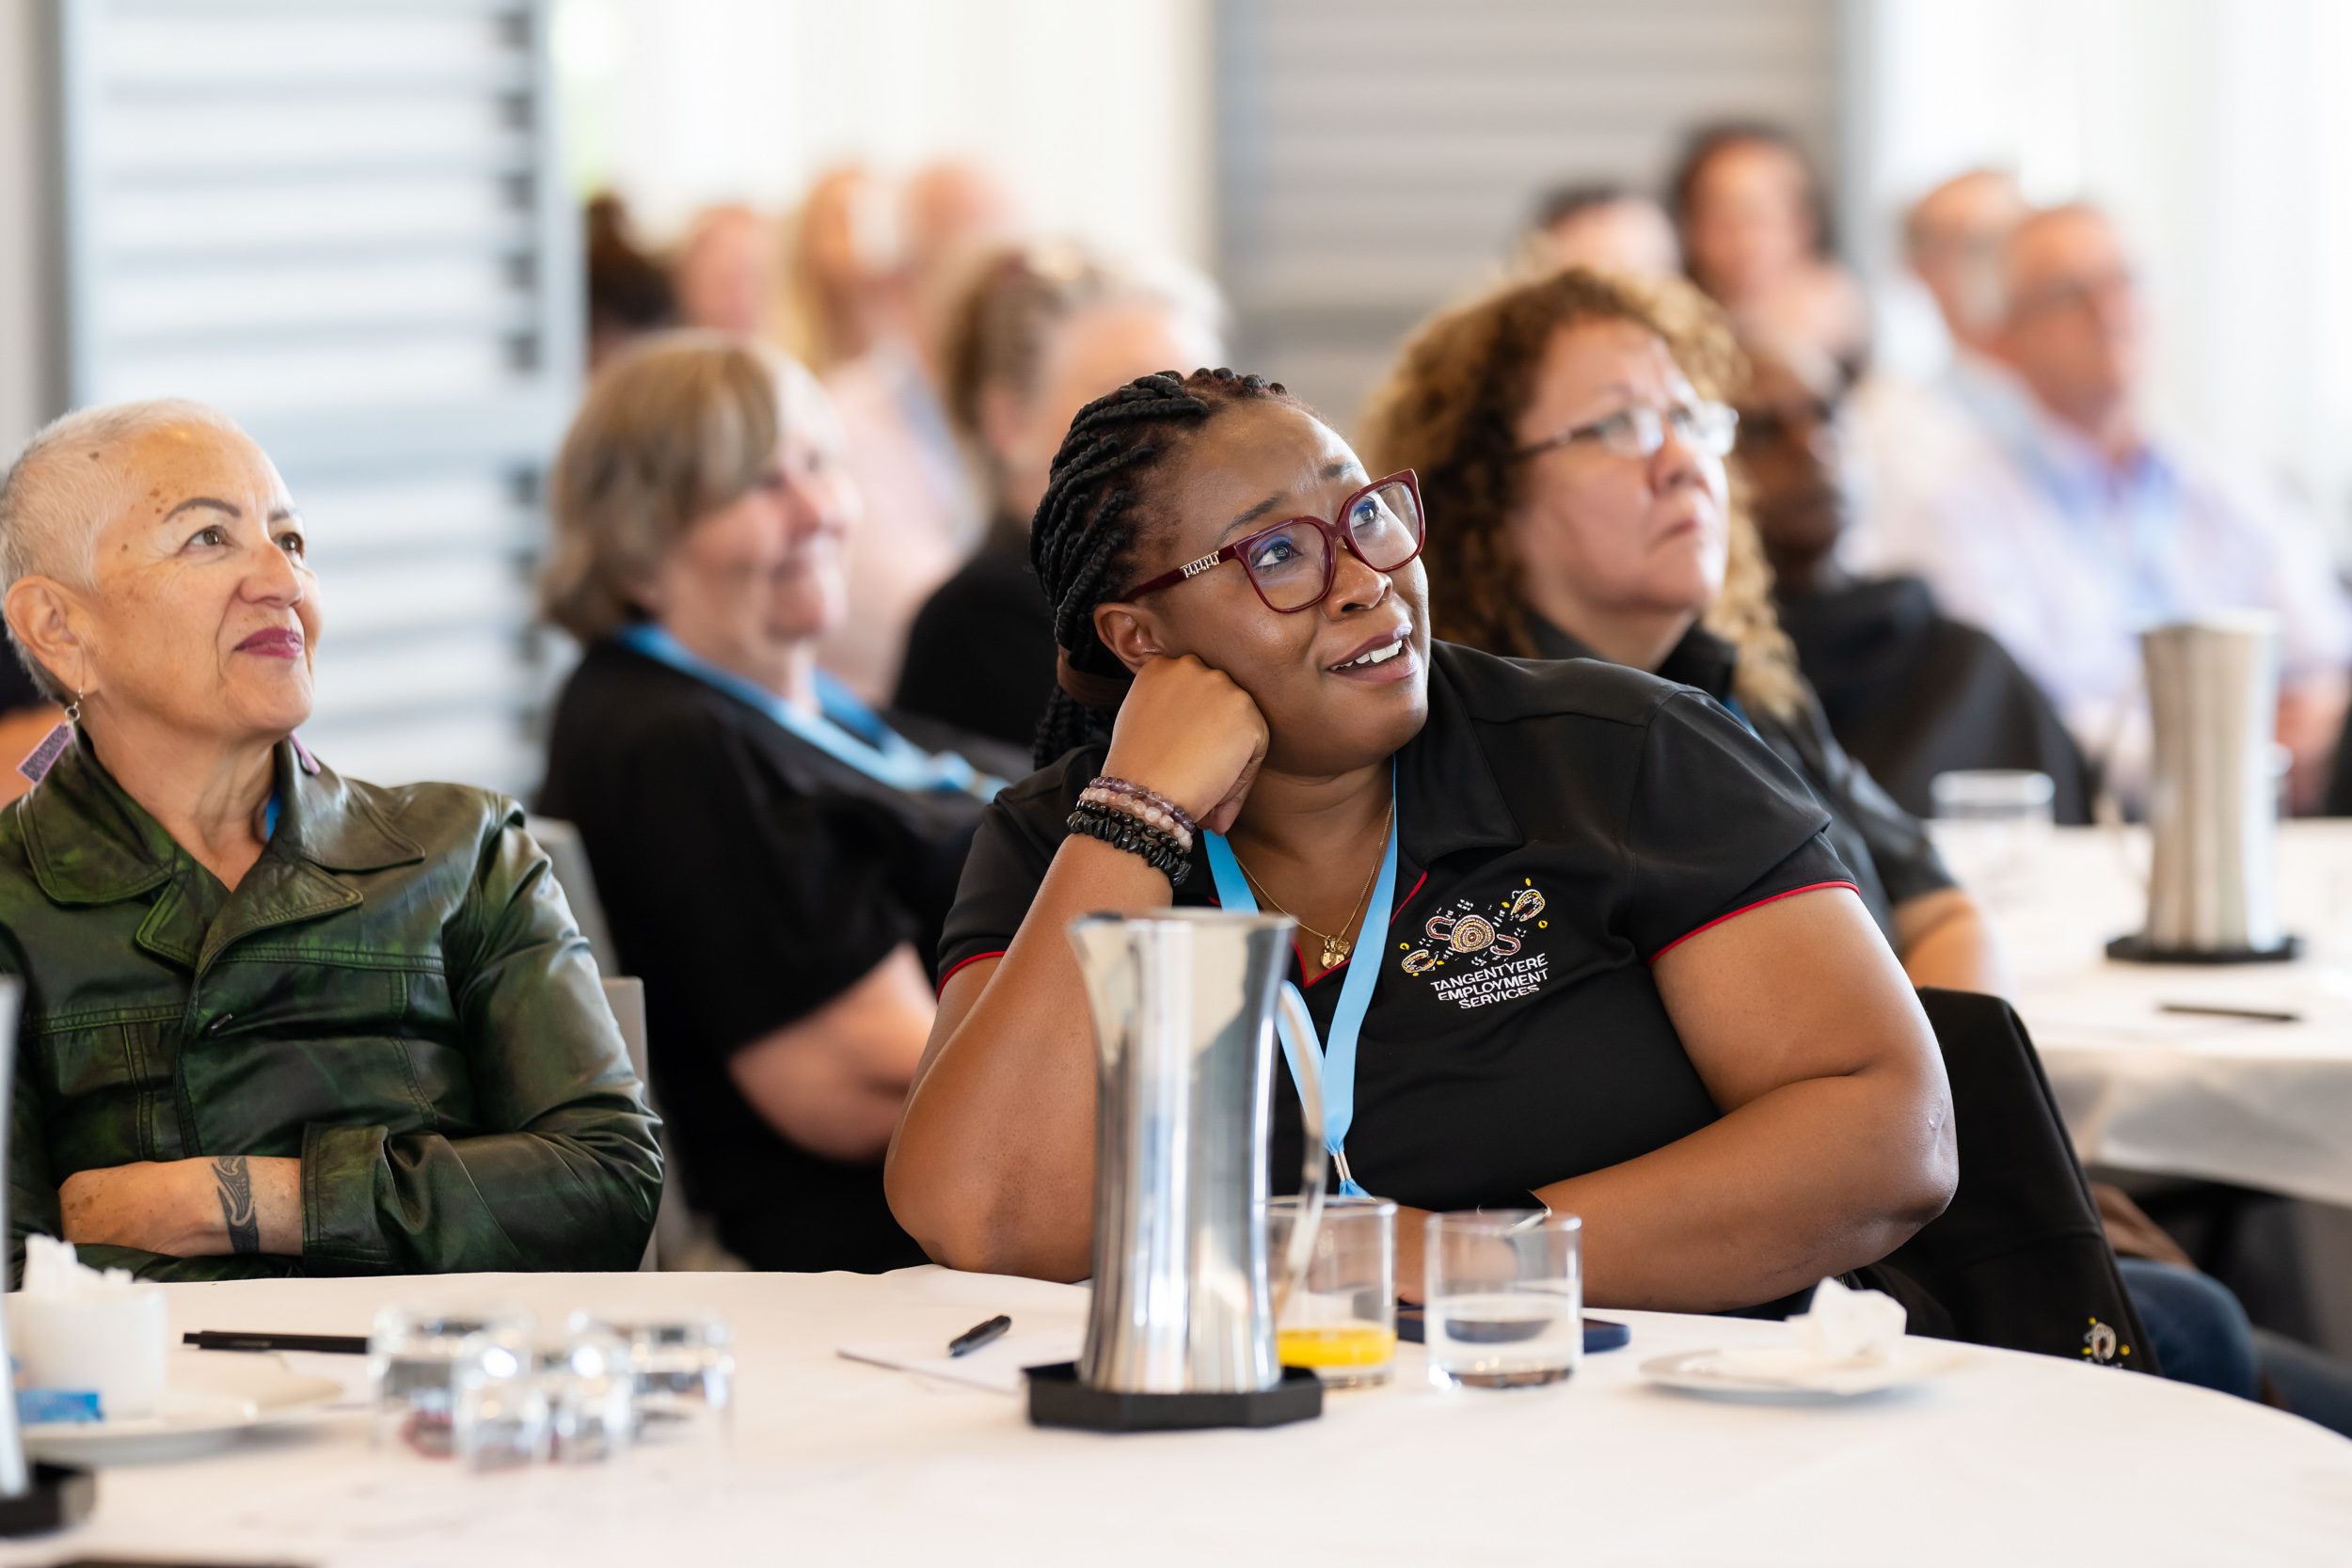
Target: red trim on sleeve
<point>1809,887</point>
<point>998,954</point>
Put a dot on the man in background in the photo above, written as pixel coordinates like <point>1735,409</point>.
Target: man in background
<point>2075,527</point>
<point>1910,434</point>
<point>727,271</point>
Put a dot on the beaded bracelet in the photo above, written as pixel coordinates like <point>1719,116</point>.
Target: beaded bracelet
<point>1137,792</point>
<point>1129,805</point>
<point>1121,831</point>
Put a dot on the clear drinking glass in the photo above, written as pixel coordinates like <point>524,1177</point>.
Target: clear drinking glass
<point>684,1365</point>
<point>1342,1320</point>
<point>590,1390</point>
<point>1506,1298</point>
<point>1992,826</point>
<point>499,1415</point>
<point>413,1351</point>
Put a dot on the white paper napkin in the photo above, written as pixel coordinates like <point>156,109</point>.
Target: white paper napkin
<point>1846,1331</point>
<point>995,1366</point>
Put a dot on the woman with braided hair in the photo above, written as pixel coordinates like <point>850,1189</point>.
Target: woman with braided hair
<point>1571,929</point>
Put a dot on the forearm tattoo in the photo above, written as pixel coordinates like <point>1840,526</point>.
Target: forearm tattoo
<point>236,1189</point>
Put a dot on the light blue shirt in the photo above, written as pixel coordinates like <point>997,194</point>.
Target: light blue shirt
<point>2066,558</point>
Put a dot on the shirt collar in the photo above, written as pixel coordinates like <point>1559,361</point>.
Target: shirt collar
<point>1447,798</point>
<point>2072,466</point>
<point>90,843</point>
<point>1701,658</point>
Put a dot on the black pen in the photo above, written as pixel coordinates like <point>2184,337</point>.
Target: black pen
<point>2263,1015</point>
<point>332,1344</point>
<point>978,1335</point>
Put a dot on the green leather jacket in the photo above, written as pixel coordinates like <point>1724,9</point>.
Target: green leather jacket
<point>395,992</point>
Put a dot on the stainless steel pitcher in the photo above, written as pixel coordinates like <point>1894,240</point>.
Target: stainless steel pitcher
<point>2213,805</point>
<point>1183,1007</point>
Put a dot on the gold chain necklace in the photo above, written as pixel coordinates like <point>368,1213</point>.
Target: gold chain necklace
<point>1335,948</point>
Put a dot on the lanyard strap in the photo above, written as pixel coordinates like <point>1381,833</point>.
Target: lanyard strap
<point>848,731</point>
<point>1338,1055</point>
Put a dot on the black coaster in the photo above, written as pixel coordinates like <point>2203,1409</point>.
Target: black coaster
<point>59,1497</point>
<point>1057,1399</point>
<point>2137,949</point>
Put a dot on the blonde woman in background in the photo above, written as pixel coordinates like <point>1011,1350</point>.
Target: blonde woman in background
<point>923,521</point>
<point>836,272</point>
<point>1570,436</point>
<point>1041,331</point>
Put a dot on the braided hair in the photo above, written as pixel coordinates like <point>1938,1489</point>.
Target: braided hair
<point>1083,537</point>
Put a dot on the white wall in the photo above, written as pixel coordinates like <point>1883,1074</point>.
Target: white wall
<point>1095,109</point>
<point>2218,134</point>
<point>1381,156</point>
<point>23,397</point>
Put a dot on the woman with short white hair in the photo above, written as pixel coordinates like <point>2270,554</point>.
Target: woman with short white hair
<point>274,1021</point>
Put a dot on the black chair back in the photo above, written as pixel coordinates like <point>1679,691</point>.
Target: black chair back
<point>2019,1260</point>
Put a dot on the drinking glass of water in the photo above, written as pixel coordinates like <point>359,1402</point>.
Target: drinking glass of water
<point>1992,826</point>
<point>1342,1320</point>
<point>591,1389</point>
<point>413,1351</point>
<point>683,1363</point>
<point>498,1417</point>
<point>1506,1298</point>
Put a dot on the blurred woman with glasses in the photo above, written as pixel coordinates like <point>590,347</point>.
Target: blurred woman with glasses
<point>1570,935</point>
<point>1040,332</point>
<point>1570,438</point>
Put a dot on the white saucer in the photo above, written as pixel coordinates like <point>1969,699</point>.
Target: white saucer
<point>1697,1372</point>
<point>209,1397</point>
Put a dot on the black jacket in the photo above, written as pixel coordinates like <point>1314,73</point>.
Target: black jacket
<point>1911,693</point>
<point>2018,1258</point>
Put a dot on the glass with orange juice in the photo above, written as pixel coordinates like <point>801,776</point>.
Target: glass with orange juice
<point>1342,1320</point>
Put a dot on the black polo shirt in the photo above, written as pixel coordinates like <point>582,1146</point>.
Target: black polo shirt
<point>1561,824</point>
<point>749,879</point>
<point>1887,847</point>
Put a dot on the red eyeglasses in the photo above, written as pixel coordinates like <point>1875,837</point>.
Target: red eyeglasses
<point>1293,563</point>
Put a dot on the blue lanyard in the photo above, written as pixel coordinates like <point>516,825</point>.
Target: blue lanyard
<point>846,731</point>
<point>269,819</point>
<point>1338,1055</point>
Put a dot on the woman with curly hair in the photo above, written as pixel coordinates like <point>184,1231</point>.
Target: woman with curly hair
<point>1569,434</point>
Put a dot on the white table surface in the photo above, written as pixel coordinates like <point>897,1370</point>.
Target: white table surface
<point>2013,1459</point>
<point>2262,1103</point>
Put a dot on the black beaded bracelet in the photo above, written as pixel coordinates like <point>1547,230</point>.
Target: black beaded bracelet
<point>1157,848</point>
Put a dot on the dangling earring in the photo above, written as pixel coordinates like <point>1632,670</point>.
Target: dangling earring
<point>44,756</point>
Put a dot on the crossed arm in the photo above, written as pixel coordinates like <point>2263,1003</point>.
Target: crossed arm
<point>188,1208</point>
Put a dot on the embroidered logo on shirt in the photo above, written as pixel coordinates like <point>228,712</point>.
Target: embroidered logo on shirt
<point>2102,1344</point>
<point>1470,950</point>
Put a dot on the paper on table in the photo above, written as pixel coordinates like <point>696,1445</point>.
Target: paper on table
<point>996,1367</point>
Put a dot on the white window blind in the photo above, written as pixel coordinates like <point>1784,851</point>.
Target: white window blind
<point>1377,157</point>
<point>343,222</point>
